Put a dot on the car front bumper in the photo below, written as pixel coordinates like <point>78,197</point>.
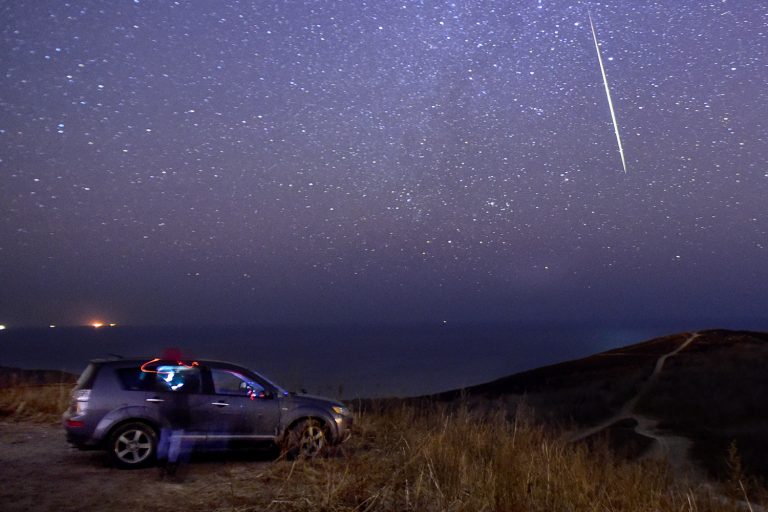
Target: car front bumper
<point>343,427</point>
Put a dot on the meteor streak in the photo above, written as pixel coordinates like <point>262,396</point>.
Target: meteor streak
<point>608,94</point>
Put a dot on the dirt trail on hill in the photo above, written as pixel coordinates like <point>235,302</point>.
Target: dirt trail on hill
<point>673,448</point>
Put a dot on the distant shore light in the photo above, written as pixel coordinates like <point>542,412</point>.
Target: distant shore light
<point>52,326</point>
<point>113,325</point>
<point>2,327</point>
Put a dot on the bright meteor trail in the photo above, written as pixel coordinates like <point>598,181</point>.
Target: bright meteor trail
<point>608,94</point>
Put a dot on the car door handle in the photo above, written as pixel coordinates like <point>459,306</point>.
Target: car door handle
<point>220,404</point>
<point>155,400</point>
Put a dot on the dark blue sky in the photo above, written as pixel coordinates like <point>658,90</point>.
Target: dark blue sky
<point>251,162</point>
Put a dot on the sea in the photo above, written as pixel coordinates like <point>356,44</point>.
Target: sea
<point>347,361</point>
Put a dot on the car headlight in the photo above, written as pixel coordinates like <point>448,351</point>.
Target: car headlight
<point>340,409</point>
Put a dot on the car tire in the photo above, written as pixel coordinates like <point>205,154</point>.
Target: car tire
<point>307,439</point>
<point>132,445</point>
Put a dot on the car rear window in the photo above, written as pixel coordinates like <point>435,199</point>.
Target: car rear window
<point>85,381</point>
<point>133,379</point>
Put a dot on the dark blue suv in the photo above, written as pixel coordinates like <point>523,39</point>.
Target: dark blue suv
<point>123,405</point>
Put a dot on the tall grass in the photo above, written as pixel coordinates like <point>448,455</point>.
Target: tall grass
<point>436,460</point>
<point>43,403</point>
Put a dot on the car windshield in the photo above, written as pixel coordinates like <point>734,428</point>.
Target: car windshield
<point>277,387</point>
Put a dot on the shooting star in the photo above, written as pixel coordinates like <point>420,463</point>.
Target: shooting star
<point>608,94</point>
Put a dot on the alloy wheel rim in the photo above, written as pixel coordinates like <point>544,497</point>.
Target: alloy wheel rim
<point>312,441</point>
<point>133,446</point>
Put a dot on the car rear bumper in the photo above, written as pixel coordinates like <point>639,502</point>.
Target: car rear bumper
<point>81,440</point>
<point>78,434</point>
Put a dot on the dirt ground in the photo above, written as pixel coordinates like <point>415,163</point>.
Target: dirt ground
<point>40,471</point>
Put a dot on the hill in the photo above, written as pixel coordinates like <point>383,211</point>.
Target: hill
<point>12,377</point>
<point>696,398</point>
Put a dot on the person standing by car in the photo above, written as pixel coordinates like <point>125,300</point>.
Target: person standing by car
<point>176,383</point>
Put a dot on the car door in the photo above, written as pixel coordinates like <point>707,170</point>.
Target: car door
<point>241,406</point>
<point>176,394</point>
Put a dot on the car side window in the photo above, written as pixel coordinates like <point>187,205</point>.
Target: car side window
<point>177,378</point>
<point>133,379</point>
<point>228,382</point>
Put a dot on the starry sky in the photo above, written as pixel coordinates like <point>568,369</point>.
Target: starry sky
<point>225,162</point>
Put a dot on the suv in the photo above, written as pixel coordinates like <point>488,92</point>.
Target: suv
<point>122,405</point>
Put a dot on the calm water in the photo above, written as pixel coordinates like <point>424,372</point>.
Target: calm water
<point>351,361</point>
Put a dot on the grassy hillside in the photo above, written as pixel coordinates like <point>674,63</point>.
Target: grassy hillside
<point>487,449</point>
<point>431,458</point>
<point>438,458</point>
<point>14,377</point>
<point>40,395</point>
<point>713,393</point>
<point>583,391</point>
<point>36,403</point>
<point>716,393</point>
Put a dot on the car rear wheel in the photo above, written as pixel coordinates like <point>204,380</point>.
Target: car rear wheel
<point>133,445</point>
<point>307,439</point>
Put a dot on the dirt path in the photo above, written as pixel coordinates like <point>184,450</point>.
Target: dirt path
<point>673,448</point>
<point>39,471</point>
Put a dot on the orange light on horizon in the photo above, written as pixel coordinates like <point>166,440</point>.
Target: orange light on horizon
<point>96,325</point>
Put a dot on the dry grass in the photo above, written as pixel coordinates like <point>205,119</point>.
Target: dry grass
<point>44,403</point>
<point>424,460</point>
<point>432,458</point>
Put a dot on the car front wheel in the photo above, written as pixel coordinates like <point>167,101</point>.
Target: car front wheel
<point>132,445</point>
<point>307,439</point>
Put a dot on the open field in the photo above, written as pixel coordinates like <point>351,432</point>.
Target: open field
<point>400,458</point>
<point>505,445</point>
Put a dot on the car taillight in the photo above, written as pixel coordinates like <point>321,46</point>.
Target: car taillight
<point>80,398</point>
<point>75,424</point>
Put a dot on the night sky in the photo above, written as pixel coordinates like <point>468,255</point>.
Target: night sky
<point>223,162</point>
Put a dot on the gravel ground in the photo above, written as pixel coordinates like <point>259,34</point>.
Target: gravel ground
<point>40,471</point>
